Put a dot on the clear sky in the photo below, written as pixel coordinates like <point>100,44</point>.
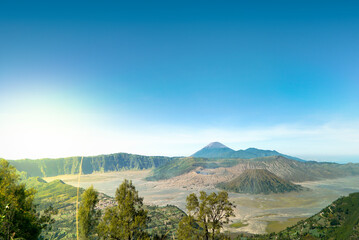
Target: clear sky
<point>168,77</point>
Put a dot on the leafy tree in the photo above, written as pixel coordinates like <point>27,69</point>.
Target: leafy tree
<point>209,211</point>
<point>219,210</point>
<point>128,219</point>
<point>188,229</point>
<point>18,216</point>
<point>89,216</point>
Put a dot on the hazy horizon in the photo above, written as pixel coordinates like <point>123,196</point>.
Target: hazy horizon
<point>319,158</point>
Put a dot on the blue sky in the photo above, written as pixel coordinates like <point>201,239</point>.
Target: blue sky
<point>166,77</point>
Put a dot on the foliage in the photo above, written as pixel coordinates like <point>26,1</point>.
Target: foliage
<point>88,214</point>
<point>164,220</point>
<point>62,197</point>
<point>188,229</point>
<point>340,220</point>
<point>128,219</point>
<point>210,212</point>
<point>18,216</point>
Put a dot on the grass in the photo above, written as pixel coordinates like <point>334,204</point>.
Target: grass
<point>277,226</point>
<point>238,225</point>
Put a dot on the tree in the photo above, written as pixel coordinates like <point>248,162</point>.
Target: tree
<point>128,219</point>
<point>188,229</point>
<point>18,216</point>
<point>219,210</point>
<point>209,211</point>
<point>89,216</point>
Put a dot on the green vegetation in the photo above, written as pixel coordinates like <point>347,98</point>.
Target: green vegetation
<point>102,163</point>
<point>19,218</point>
<point>238,225</point>
<point>206,216</point>
<point>63,198</point>
<point>126,220</point>
<point>188,228</point>
<point>256,181</point>
<point>89,216</point>
<point>163,220</point>
<point>338,221</point>
<point>277,226</point>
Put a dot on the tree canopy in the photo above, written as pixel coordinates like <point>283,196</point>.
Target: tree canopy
<point>18,216</point>
<point>206,215</point>
<point>88,214</point>
<point>128,219</point>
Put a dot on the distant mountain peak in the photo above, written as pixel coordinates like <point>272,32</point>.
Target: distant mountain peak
<point>213,150</point>
<point>216,145</point>
<point>219,150</point>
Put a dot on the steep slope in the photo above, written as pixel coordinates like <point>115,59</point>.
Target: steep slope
<point>102,163</point>
<point>288,169</point>
<point>257,181</point>
<point>213,150</point>
<point>295,171</point>
<point>218,150</point>
<point>340,220</point>
<point>179,167</point>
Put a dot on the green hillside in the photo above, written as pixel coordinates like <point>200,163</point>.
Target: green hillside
<point>340,220</point>
<point>257,181</point>
<point>103,163</point>
<point>62,196</point>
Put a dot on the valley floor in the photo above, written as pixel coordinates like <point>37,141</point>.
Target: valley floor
<point>258,213</point>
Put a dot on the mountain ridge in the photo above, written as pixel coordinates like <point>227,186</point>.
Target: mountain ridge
<point>221,151</point>
<point>48,167</point>
<point>288,169</point>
